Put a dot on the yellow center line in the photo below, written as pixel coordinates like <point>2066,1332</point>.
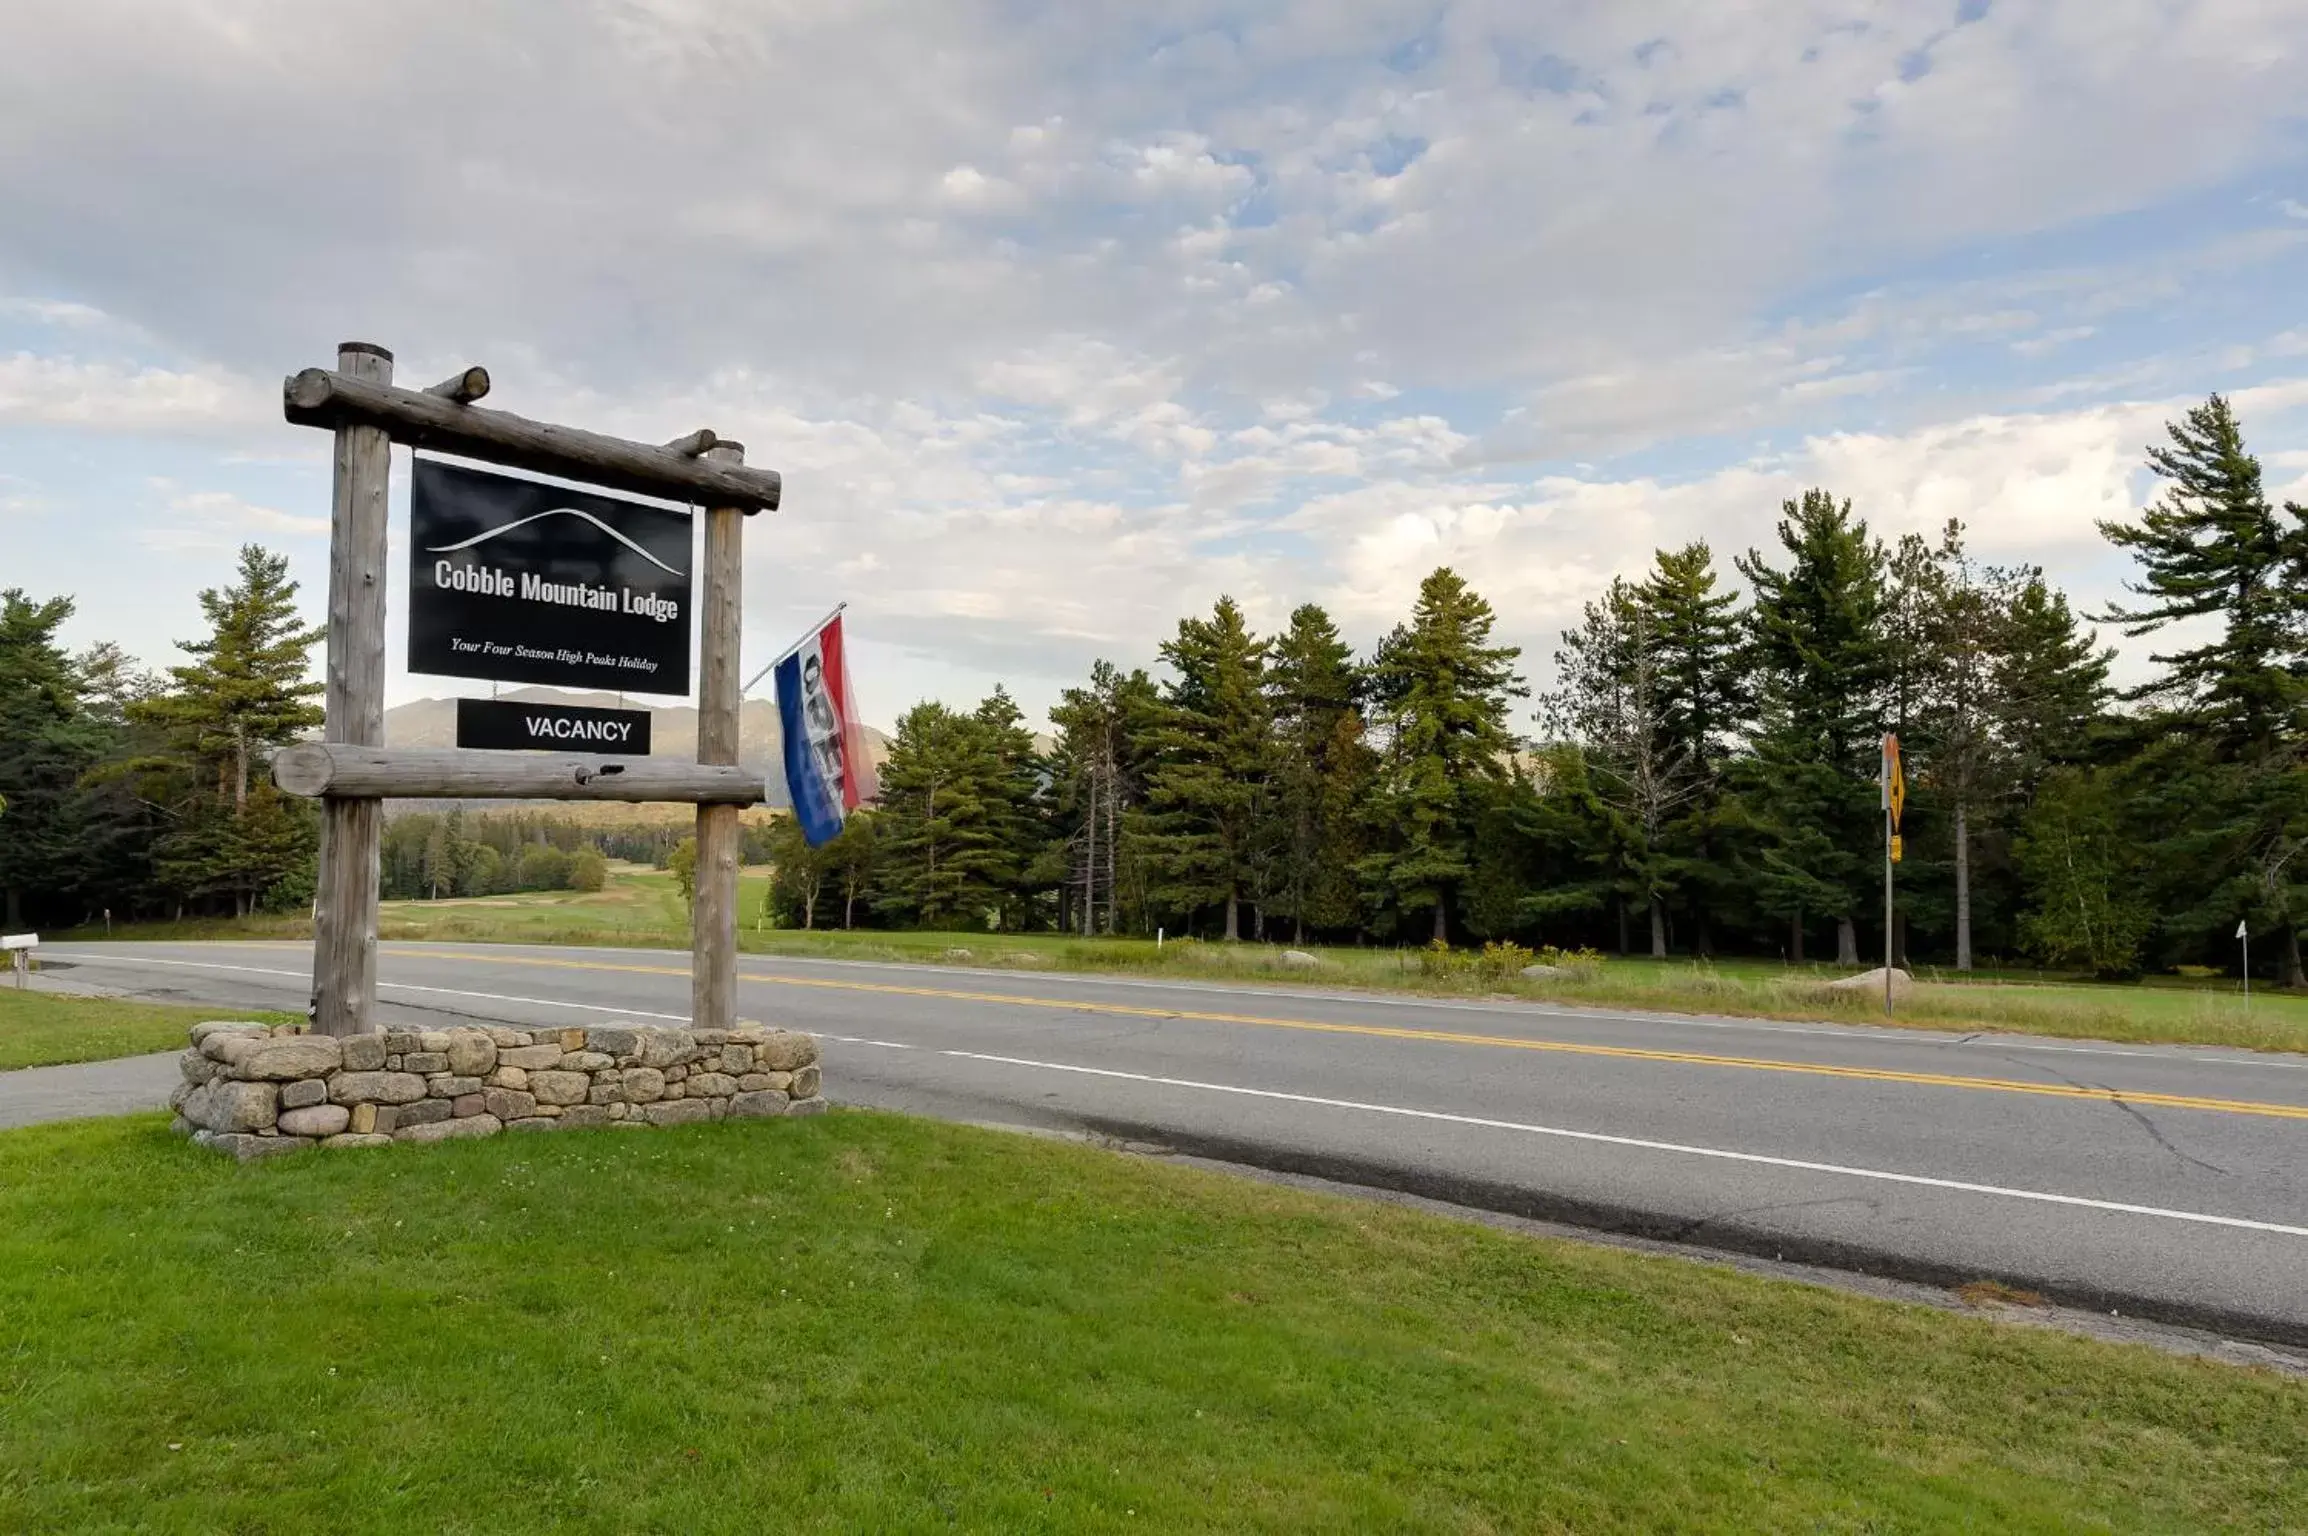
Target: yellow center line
<point>1432,1036</point>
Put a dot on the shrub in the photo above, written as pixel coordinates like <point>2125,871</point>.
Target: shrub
<point>542,869</point>
<point>1582,960</point>
<point>1439,960</point>
<point>588,871</point>
<point>1502,960</point>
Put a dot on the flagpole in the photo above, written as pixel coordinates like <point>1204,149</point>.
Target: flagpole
<point>789,650</point>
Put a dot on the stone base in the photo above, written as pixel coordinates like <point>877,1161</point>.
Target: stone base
<point>257,1092</point>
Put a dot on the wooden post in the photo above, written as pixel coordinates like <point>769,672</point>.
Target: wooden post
<point>345,920</point>
<point>713,975</point>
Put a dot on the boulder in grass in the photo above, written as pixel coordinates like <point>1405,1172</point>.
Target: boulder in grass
<point>1544,972</point>
<point>1298,960</point>
<point>1870,983</point>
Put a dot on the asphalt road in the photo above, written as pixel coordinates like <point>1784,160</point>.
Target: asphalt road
<point>2166,1182</point>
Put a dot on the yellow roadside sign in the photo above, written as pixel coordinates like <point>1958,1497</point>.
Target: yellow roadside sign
<point>1895,781</point>
<point>1898,846</point>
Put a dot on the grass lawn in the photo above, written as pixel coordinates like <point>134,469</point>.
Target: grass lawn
<point>641,907</point>
<point>39,1029</point>
<point>867,1322</point>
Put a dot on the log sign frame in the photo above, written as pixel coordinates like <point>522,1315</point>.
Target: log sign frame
<point>521,581</point>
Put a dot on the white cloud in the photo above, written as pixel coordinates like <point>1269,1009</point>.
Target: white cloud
<point>220,520</point>
<point>1182,164</point>
<point>125,398</point>
<point>1060,320</point>
<point>965,186</point>
<point>56,312</point>
<point>2052,341</point>
<point>1497,194</point>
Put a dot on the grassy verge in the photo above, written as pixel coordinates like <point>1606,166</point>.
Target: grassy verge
<point>40,1029</point>
<point>641,907</point>
<point>865,1322</point>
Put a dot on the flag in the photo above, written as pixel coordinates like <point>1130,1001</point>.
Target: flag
<point>826,770</point>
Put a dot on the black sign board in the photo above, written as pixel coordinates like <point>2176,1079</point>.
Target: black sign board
<point>511,725</point>
<point>521,582</point>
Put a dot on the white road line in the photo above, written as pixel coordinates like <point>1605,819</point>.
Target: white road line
<point>1914,1039</point>
<point>407,986</point>
<point>1720,1154</point>
<point>1983,1040</point>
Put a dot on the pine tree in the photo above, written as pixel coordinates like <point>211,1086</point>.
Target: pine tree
<point>1441,692</point>
<point>1705,699</point>
<point>244,691</point>
<point>247,687</point>
<point>1823,666</point>
<point>1321,772</point>
<point>1099,773</point>
<point>2234,743</point>
<point>1704,693</point>
<point>947,839</point>
<point>1209,790</point>
<point>49,740</point>
<point>2049,685</point>
<point>2214,548</point>
<point>1016,816</point>
<point>1612,702</point>
<point>1944,669</point>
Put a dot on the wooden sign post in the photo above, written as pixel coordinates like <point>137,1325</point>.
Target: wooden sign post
<point>351,769</point>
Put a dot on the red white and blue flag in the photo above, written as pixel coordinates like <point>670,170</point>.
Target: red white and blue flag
<point>827,771</point>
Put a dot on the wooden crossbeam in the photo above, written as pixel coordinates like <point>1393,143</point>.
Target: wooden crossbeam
<point>682,471</point>
<point>341,771</point>
<point>354,773</point>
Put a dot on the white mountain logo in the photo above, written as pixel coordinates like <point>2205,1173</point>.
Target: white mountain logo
<point>483,538</point>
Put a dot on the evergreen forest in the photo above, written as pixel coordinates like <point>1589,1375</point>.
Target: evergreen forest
<point>1700,777</point>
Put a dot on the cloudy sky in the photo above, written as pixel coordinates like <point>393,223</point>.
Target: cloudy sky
<point>1063,319</point>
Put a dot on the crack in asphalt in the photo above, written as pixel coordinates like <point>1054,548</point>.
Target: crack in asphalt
<point>2140,1117</point>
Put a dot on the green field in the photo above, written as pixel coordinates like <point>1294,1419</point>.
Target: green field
<point>867,1322</point>
<point>642,907</point>
<point>39,1030</point>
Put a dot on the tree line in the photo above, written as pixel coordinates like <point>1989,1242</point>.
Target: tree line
<point>145,793</point>
<point>1701,778</point>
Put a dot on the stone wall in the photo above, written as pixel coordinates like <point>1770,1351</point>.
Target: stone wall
<point>254,1091</point>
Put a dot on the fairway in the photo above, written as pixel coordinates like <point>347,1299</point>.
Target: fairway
<point>641,906</point>
<point>871,1322</point>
